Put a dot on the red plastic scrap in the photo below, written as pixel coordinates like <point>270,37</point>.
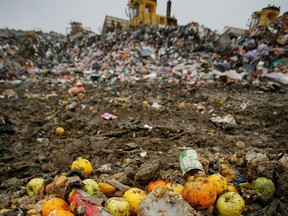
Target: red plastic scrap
<point>78,196</point>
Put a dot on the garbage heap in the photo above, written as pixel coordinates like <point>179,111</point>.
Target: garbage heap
<point>189,54</point>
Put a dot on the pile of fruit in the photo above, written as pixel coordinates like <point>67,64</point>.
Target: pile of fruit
<point>80,193</point>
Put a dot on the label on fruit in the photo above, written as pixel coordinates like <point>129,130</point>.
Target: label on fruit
<point>189,161</point>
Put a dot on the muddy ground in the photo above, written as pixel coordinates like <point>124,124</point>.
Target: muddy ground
<point>29,147</point>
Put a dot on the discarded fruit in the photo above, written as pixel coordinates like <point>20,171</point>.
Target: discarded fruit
<point>60,213</point>
<point>200,193</point>
<point>232,188</point>
<point>53,204</point>
<point>220,183</point>
<point>154,184</point>
<point>264,188</point>
<point>82,164</point>
<point>247,192</point>
<point>107,189</point>
<point>177,188</point>
<point>34,186</point>
<point>228,172</point>
<point>59,131</point>
<point>134,196</point>
<point>118,206</point>
<point>230,203</point>
<point>90,186</point>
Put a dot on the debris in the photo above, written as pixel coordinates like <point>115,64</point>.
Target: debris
<point>229,119</point>
<point>189,162</point>
<point>156,105</point>
<point>81,198</point>
<point>162,200</point>
<point>108,116</point>
<point>172,86</point>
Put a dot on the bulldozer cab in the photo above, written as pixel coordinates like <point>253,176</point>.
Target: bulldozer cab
<point>264,17</point>
<point>144,12</point>
<point>76,27</point>
<point>141,12</point>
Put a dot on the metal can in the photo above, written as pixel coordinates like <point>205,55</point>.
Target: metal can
<point>189,161</point>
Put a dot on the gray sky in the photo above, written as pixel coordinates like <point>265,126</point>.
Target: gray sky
<point>55,15</point>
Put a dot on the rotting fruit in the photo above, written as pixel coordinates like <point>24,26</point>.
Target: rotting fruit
<point>54,204</point>
<point>154,184</point>
<point>177,188</point>
<point>82,164</point>
<point>59,131</point>
<point>230,203</point>
<point>34,186</point>
<point>200,193</point>
<point>90,186</point>
<point>118,206</point>
<point>134,196</point>
<point>264,188</point>
<point>61,213</point>
<point>107,188</point>
<point>220,183</point>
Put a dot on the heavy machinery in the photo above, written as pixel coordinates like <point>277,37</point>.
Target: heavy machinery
<point>258,18</point>
<point>235,31</point>
<point>77,29</point>
<point>140,12</point>
<point>144,12</point>
<point>264,17</point>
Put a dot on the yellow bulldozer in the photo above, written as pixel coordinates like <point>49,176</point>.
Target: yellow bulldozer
<point>76,28</point>
<point>264,17</point>
<point>140,12</point>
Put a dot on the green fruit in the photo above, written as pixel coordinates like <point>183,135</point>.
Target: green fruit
<point>34,186</point>
<point>90,186</point>
<point>118,206</point>
<point>230,203</point>
<point>264,188</point>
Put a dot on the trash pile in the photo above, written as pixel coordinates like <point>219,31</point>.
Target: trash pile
<point>106,125</point>
<point>22,50</point>
<point>256,55</point>
<point>202,187</point>
<point>182,54</point>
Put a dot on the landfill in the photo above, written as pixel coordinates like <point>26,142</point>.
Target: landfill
<point>130,103</point>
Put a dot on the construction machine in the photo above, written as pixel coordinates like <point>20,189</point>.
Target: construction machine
<point>77,29</point>
<point>140,12</point>
<point>264,17</point>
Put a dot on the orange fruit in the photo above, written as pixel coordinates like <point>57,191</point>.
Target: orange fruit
<point>134,196</point>
<point>54,204</point>
<point>220,183</point>
<point>107,189</point>
<point>177,188</point>
<point>82,164</point>
<point>59,131</point>
<point>200,193</point>
<point>154,184</point>
<point>61,213</point>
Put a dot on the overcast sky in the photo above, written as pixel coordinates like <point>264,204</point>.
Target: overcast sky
<point>55,15</point>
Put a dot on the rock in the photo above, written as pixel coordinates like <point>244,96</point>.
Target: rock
<point>148,171</point>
